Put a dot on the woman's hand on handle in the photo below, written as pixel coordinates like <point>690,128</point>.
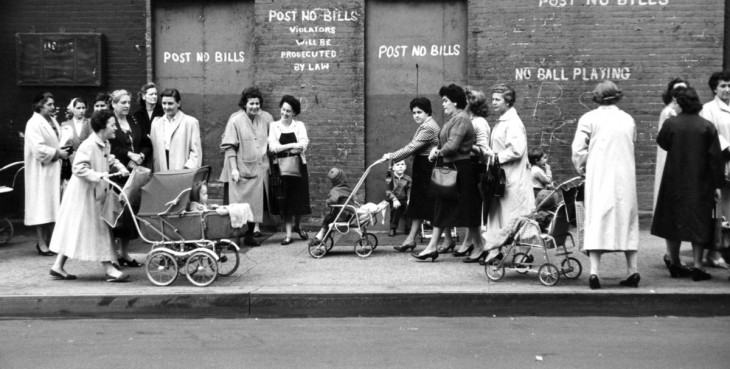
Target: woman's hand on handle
<point>235,175</point>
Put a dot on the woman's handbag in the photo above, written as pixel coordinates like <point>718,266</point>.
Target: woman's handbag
<point>720,232</point>
<point>289,166</point>
<point>495,180</point>
<point>443,182</point>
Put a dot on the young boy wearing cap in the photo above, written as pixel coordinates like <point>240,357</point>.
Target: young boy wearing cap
<point>338,195</point>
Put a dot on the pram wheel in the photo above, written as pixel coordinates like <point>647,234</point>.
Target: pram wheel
<point>329,242</point>
<point>518,261</point>
<point>373,239</point>
<point>363,247</point>
<point>161,267</point>
<point>548,274</point>
<point>6,231</point>
<point>201,269</point>
<point>494,269</point>
<point>318,248</point>
<point>571,268</point>
<point>228,257</point>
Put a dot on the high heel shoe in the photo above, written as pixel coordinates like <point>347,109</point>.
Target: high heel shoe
<point>499,256</point>
<point>130,263</point>
<point>700,275</point>
<point>479,258</point>
<point>464,253</point>
<point>677,271</point>
<point>302,234</point>
<point>406,247</point>
<point>631,281</point>
<point>450,247</point>
<point>44,253</point>
<point>433,255</point>
<point>594,283</point>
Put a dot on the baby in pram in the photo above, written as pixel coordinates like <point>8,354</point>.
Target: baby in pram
<point>338,196</point>
<point>238,213</point>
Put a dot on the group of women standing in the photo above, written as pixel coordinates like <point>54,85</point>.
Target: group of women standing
<point>113,139</point>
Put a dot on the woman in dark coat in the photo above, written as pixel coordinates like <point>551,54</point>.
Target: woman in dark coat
<point>149,109</point>
<point>693,174</point>
<point>132,147</point>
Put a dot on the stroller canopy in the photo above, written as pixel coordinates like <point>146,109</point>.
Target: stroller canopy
<point>161,192</point>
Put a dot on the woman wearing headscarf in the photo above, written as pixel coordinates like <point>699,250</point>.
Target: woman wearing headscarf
<point>692,178</point>
<point>41,154</point>
<point>603,151</point>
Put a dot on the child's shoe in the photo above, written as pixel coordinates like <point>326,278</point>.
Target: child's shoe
<point>392,232</point>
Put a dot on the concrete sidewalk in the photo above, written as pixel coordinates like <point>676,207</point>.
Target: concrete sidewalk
<point>285,281</point>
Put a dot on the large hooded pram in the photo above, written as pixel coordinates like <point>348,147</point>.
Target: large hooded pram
<point>196,238</point>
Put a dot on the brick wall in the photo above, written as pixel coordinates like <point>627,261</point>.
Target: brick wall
<point>331,87</point>
<point>555,54</point>
<point>122,24</point>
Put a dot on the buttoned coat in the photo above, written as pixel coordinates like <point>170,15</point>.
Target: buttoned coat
<point>185,148</point>
<point>509,143</point>
<point>80,233</point>
<point>42,171</point>
<point>246,141</point>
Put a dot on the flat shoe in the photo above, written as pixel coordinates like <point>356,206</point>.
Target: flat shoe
<point>287,241</point>
<point>58,276</point>
<point>303,235</point>
<point>124,277</point>
<point>594,283</point>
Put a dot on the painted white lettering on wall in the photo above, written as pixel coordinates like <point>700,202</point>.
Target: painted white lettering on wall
<point>400,51</point>
<point>311,15</point>
<point>573,74</point>
<point>203,57</point>
<point>564,3</point>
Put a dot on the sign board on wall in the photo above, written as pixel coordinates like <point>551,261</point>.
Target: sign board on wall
<point>58,59</point>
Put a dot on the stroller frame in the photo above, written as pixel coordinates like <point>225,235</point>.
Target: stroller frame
<point>348,219</point>
<point>6,227</point>
<point>204,260</point>
<point>558,236</point>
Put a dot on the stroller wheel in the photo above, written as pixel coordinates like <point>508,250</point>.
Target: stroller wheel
<point>201,269</point>
<point>161,267</point>
<point>494,269</point>
<point>372,239</point>
<point>518,261</point>
<point>363,247</point>
<point>548,274</point>
<point>571,268</point>
<point>228,257</point>
<point>318,248</point>
<point>6,231</point>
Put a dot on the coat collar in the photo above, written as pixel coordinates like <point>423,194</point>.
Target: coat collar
<point>97,140</point>
<point>721,104</point>
<point>510,114</point>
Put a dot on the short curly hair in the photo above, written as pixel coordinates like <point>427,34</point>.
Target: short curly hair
<point>99,119</point>
<point>455,94</point>
<point>296,106</point>
<point>422,103</point>
<point>477,102</point>
<point>250,93</point>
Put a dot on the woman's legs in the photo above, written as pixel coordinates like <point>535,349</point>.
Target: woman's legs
<point>123,246</point>
<point>631,259</point>
<point>433,244</point>
<point>44,231</point>
<point>470,234</point>
<point>59,263</point>
<point>697,251</point>
<point>415,227</point>
<point>595,261</point>
<point>673,252</point>
<point>447,237</point>
<point>288,225</point>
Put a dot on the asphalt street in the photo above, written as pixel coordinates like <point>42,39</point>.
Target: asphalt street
<point>518,342</point>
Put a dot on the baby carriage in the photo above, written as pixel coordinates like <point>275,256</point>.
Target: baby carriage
<point>195,240</point>
<point>351,216</point>
<point>517,255</point>
<point>6,227</point>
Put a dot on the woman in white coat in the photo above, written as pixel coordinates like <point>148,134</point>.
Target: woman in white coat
<point>509,144</point>
<point>41,156</point>
<point>603,151</point>
<point>81,233</point>
<point>175,136</point>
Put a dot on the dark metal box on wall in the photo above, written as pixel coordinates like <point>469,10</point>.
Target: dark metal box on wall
<point>59,59</point>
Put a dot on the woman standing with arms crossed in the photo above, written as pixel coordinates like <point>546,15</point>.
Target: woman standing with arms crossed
<point>149,109</point>
<point>603,151</point>
<point>424,140</point>
<point>288,137</point>
<point>509,144</point>
<point>41,154</point>
<point>132,147</point>
<point>456,139</point>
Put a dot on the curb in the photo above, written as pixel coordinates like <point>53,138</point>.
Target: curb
<point>327,305</point>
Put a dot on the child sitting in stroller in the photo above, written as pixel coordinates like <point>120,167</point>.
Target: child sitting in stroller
<point>338,195</point>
